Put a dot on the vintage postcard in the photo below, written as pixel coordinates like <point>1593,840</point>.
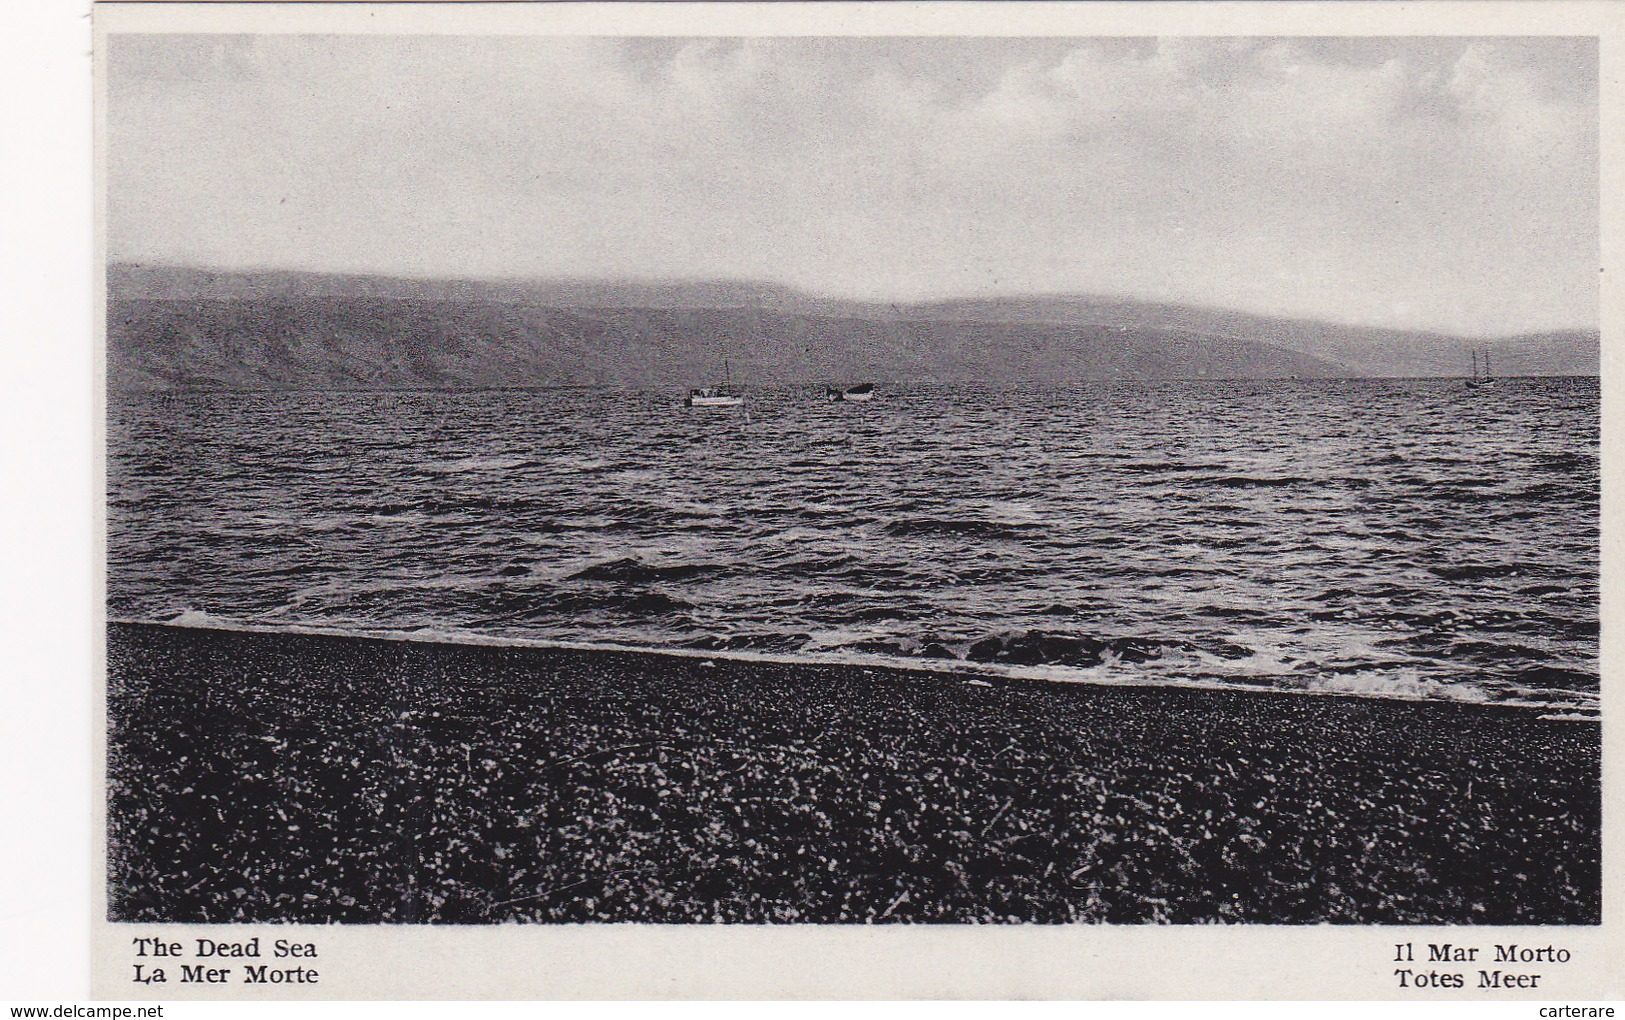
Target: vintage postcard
<point>858,500</point>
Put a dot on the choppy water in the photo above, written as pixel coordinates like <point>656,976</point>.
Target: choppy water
<point>1392,539</point>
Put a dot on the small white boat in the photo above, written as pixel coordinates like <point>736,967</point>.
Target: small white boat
<point>852,394</point>
<point>712,397</point>
<point>715,396</point>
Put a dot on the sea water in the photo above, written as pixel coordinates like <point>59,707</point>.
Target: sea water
<point>1409,539</point>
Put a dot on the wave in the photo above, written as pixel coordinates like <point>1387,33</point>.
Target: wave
<point>630,570</point>
<point>771,643</point>
<point>469,465</point>
<point>1237,613</point>
<point>439,506</point>
<point>1545,589</point>
<point>581,465</point>
<point>1540,492</point>
<point>820,514</point>
<point>1021,648</point>
<point>188,617</point>
<point>640,603</point>
<point>1557,678</point>
<point>1565,461</point>
<point>968,527</point>
<point>875,614</point>
<point>1477,571</point>
<point>1391,685</point>
<point>1257,481</point>
<point>1051,533</point>
<point>1160,467</point>
<point>816,566</point>
<point>1109,672</point>
<point>1036,647</point>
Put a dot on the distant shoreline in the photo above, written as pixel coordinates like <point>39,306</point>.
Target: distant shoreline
<point>817,388</point>
<point>180,327</point>
<point>135,280</point>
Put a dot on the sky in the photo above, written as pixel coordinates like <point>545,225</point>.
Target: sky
<point>1434,183</point>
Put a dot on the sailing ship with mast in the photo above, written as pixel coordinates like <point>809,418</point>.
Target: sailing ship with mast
<point>715,396</point>
<point>1479,381</point>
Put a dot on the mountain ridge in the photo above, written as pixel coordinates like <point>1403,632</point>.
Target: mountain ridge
<point>172,327</point>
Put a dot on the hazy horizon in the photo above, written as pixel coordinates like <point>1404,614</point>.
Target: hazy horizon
<point>814,295</point>
<point>1431,184</point>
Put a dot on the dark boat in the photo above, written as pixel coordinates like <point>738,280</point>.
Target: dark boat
<point>852,394</point>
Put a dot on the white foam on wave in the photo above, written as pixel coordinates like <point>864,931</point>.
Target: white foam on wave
<point>1103,675</point>
<point>466,464</point>
<point>1111,672</point>
<point>831,638</point>
<point>186,616</point>
<point>1402,685</point>
<point>409,517</point>
<point>575,463</point>
<point>330,523</point>
<point>1265,660</point>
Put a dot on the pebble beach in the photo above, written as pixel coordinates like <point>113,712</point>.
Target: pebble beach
<point>259,777</point>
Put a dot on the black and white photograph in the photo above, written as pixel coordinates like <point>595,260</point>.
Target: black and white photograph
<point>843,479</point>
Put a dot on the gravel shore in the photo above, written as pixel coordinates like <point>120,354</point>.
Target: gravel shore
<point>310,779</point>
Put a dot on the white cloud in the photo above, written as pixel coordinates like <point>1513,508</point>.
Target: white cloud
<point>1446,183</point>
